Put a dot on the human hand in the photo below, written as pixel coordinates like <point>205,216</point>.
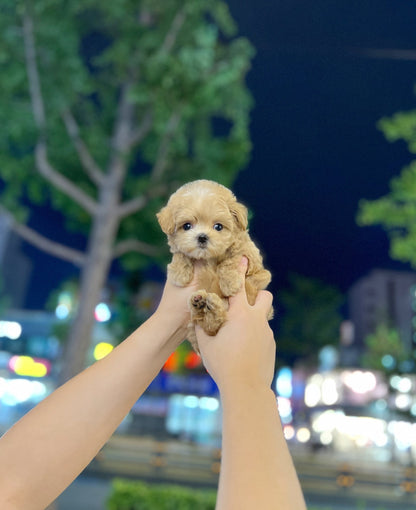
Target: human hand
<point>173,309</point>
<point>243,351</point>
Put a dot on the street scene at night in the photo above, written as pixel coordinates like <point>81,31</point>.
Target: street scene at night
<point>306,111</point>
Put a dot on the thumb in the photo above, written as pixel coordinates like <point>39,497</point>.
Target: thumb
<point>264,301</point>
<point>242,270</point>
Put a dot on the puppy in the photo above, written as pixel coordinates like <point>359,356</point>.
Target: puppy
<point>205,224</point>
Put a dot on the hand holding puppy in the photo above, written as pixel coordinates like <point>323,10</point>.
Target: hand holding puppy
<point>243,351</point>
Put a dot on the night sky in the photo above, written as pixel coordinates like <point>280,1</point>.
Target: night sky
<point>318,93</point>
<point>317,150</point>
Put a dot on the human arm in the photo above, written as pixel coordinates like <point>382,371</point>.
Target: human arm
<point>45,451</point>
<point>257,470</point>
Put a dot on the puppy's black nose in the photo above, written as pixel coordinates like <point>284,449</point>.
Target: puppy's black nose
<point>202,239</point>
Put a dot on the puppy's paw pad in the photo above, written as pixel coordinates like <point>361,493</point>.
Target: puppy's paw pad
<point>198,300</point>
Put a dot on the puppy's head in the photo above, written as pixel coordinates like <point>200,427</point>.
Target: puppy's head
<point>201,219</point>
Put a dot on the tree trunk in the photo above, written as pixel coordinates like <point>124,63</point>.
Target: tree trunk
<point>106,221</point>
<point>93,277</point>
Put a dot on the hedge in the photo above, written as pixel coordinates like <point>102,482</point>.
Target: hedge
<point>133,495</point>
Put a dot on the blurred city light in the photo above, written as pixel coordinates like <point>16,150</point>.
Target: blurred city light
<point>285,409</point>
<point>62,311</point>
<point>404,433</point>
<point>192,360</point>
<point>402,384</point>
<point>330,395</point>
<point>209,403</point>
<point>403,401</point>
<point>284,382</point>
<point>195,418</point>
<point>289,432</point>
<point>18,391</point>
<point>359,381</point>
<point>303,435</point>
<point>10,329</point>
<point>191,401</point>
<point>28,366</point>
<point>65,305</point>
<point>326,438</point>
<point>388,361</point>
<point>344,386</point>
<point>102,312</point>
<point>313,393</point>
<point>102,349</point>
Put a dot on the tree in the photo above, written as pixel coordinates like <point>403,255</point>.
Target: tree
<point>396,211</point>
<point>310,319</point>
<point>385,350</point>
<point>107,107</point>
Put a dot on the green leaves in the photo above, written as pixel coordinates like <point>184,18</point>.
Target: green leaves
<point>180,60</point>
<point>383,342</point>
<point>129,495</point>
<point>396,211</point>
<point>401,126</point>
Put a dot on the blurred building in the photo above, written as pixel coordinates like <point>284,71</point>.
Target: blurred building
<point>383,296</point>
<point>15,266</point>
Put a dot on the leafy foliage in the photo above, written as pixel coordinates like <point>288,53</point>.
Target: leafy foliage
<point>181,61</point>
<point>310,319</point>
<point>129,495</point>
<point>383,342</point>
<point>396,211</point>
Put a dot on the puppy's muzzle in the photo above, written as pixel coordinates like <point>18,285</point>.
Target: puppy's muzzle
<point>202,240</point>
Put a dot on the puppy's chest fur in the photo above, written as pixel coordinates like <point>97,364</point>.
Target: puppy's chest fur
<point>208,278</point>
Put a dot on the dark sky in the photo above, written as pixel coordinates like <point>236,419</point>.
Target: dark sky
<point>318,96</point>
<point>317,150</point>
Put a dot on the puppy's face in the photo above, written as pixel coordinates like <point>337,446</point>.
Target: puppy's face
<point>201,219</point>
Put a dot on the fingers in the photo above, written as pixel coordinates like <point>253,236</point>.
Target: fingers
<point>264,300</point>
<point>242,267</point>
<point>241,294</point>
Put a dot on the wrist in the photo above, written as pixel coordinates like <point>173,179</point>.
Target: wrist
<point>169,332</point>
<point>245,390</point>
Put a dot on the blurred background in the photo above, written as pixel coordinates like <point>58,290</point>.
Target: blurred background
<point>306,110</point>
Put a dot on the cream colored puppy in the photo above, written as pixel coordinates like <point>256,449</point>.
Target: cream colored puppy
<point>205,224</point>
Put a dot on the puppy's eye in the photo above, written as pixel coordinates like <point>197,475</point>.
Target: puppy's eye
<point>218,227</point>
<point>187,226</point>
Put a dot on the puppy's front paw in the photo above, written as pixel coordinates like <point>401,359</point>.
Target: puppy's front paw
<point>231,284</point>
<point>180,270</point>
<point>229,277</point>
<point>198,301</point>
<point>207,310</point>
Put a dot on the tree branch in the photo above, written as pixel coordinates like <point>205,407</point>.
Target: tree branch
<point>173,31</point>
<point>33,75</point>
<point>162,153</point>
<point>129,245</point>
<point>131,206</point>
<point>138,203</point>
<point>122,127</point>
<point>167,45</point>
<point>61,182</point>
<point>41,242</point>
<point>93,170</point>
<point>43,165</point>
<point>145,126</point>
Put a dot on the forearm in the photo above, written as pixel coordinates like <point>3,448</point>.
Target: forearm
<point>257,470</point>
<point>53,443</point>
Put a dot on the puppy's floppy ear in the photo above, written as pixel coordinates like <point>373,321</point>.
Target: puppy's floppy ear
<point>165,219</point>
<point>240,215</point>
